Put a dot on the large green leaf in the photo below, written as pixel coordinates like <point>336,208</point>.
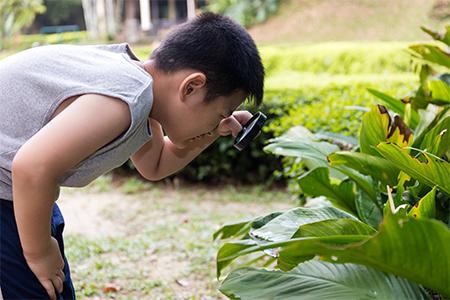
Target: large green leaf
<point>433,171</point>
<point>325,226</point>
<point>284,226</point>
<point>318,280</point>
<point>377,167</point>
<point>440,91</point>
<point>317,183</point>
<point>396,106</point>
<point>416,249</point>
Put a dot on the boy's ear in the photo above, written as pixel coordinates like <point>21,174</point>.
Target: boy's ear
<point>192,84</point>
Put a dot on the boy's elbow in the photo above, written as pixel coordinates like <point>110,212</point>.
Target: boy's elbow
<point>154,176</point>
<point>29,172</point>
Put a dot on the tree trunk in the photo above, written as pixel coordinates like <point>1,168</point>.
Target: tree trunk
<point>110,19</point>
<point>146,21</point>
<point>190,9</point>
<point>172,11</point>
<point>90,17</point>
<point>131,22</point>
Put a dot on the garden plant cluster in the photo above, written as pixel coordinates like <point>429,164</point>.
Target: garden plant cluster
<point>376,224</point>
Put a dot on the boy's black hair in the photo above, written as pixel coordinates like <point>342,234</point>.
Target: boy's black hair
<point>218,47</point>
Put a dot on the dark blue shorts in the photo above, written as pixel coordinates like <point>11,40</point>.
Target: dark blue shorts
<point>17,281</point>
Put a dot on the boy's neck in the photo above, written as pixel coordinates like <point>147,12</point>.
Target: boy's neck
<point>149,67</point>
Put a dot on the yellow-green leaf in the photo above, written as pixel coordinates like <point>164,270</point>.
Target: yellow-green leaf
<point>432,172</point>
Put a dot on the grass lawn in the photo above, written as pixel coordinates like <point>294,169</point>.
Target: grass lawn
<point>137,240</point>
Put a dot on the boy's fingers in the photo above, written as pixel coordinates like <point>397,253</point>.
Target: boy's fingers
<point>58,284</point>
<point>234,125</point>
<point>61,274</point>
<point>242,116</point>
<point>48,285</point>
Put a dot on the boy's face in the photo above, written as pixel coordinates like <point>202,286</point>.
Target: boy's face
<point>194,116</point>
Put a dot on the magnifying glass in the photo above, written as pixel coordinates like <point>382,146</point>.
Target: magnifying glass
<point>249,131</point>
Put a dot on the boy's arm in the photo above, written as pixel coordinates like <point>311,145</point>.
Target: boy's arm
<point>160,158</point>
<point>86,125</point>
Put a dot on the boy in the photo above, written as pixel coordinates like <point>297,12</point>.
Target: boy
<point>72,113</point>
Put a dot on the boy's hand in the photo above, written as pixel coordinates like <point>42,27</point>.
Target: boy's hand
<point>233,124</point>
<point>48,268</point>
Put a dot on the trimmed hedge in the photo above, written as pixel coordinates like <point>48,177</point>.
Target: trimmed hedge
<point>337,58</point>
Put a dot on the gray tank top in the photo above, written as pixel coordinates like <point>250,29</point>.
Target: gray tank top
<point>35,81</point>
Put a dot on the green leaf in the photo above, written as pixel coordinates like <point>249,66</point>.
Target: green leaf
<point>317,183</point>
<point>232,250</point>
<point>317,224</point>
<point>440,91</point>
<point>426,207</point>
<point>400,188</point>
<point>362,181</point>
<point>232,229</point>
<point>443,37</point>
<point>416,249</point>
<point>396,106</point>
<point>432,54</point>
<point>437,140</point>
<point>334,227</point>
<point>242,227</point>
<point>284,226</point>
<point>429,119</point>
<point>318,280</point>
<point>433,171</point>
<point>374,129</point>
<point>316,151</point>
<point>336,138</point>
<point>367,209</point>
<point>377,167</point>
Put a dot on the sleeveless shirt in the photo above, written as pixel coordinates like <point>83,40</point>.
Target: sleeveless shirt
<point>34,82</point>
